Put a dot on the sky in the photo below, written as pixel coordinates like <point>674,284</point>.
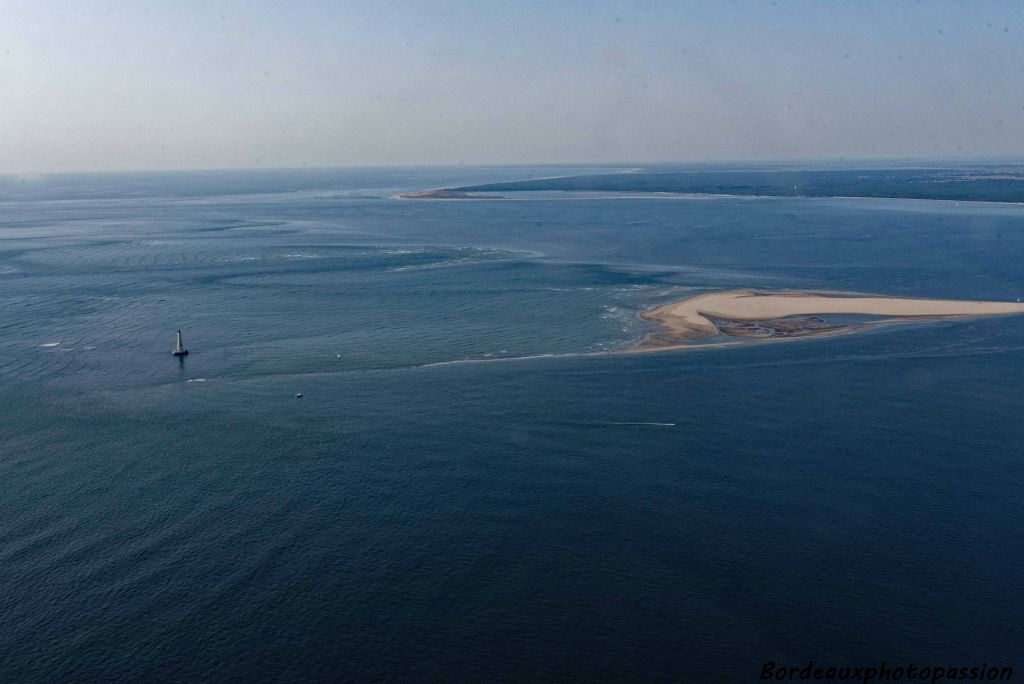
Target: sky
<point>150,85</point>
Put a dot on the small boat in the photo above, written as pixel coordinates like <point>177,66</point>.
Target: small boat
<point>299,395</point>
<point>179,350</point>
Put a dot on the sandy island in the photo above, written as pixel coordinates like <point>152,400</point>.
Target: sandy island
<point>760,315</point>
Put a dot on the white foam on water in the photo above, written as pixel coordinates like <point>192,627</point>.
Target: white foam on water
<point>455,362</point>
<point>639,423</point>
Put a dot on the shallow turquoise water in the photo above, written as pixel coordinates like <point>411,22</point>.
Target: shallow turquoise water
<point>438,507</point>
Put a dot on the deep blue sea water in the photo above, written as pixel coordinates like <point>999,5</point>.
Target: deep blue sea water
<point>467,494</point>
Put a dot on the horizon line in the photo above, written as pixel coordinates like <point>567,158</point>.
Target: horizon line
<point>483,165</point>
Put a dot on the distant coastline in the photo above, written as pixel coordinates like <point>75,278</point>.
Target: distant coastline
<point>982,183</point>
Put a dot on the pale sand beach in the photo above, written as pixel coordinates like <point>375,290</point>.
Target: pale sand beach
<point>764,315</point>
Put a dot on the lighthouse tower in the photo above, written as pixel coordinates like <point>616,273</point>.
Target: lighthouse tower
<point>179,350</point>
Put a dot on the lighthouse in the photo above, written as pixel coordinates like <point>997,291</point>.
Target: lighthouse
<point>179,350</point>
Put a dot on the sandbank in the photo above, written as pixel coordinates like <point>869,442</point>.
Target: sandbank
<point>759,315</point>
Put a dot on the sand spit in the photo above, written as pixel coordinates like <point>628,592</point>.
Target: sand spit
<point>759,315</point>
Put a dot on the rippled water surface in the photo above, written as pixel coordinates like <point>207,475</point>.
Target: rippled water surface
<point>466,492</point>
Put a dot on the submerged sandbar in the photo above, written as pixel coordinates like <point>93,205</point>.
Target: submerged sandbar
<point>764,315</point>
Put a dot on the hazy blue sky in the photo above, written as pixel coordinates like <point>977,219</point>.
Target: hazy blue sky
<point>177,84</point>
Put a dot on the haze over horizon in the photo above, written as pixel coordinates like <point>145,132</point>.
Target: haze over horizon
<point>126,86</point>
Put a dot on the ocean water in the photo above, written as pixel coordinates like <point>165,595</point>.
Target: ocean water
<point>468,489</point>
